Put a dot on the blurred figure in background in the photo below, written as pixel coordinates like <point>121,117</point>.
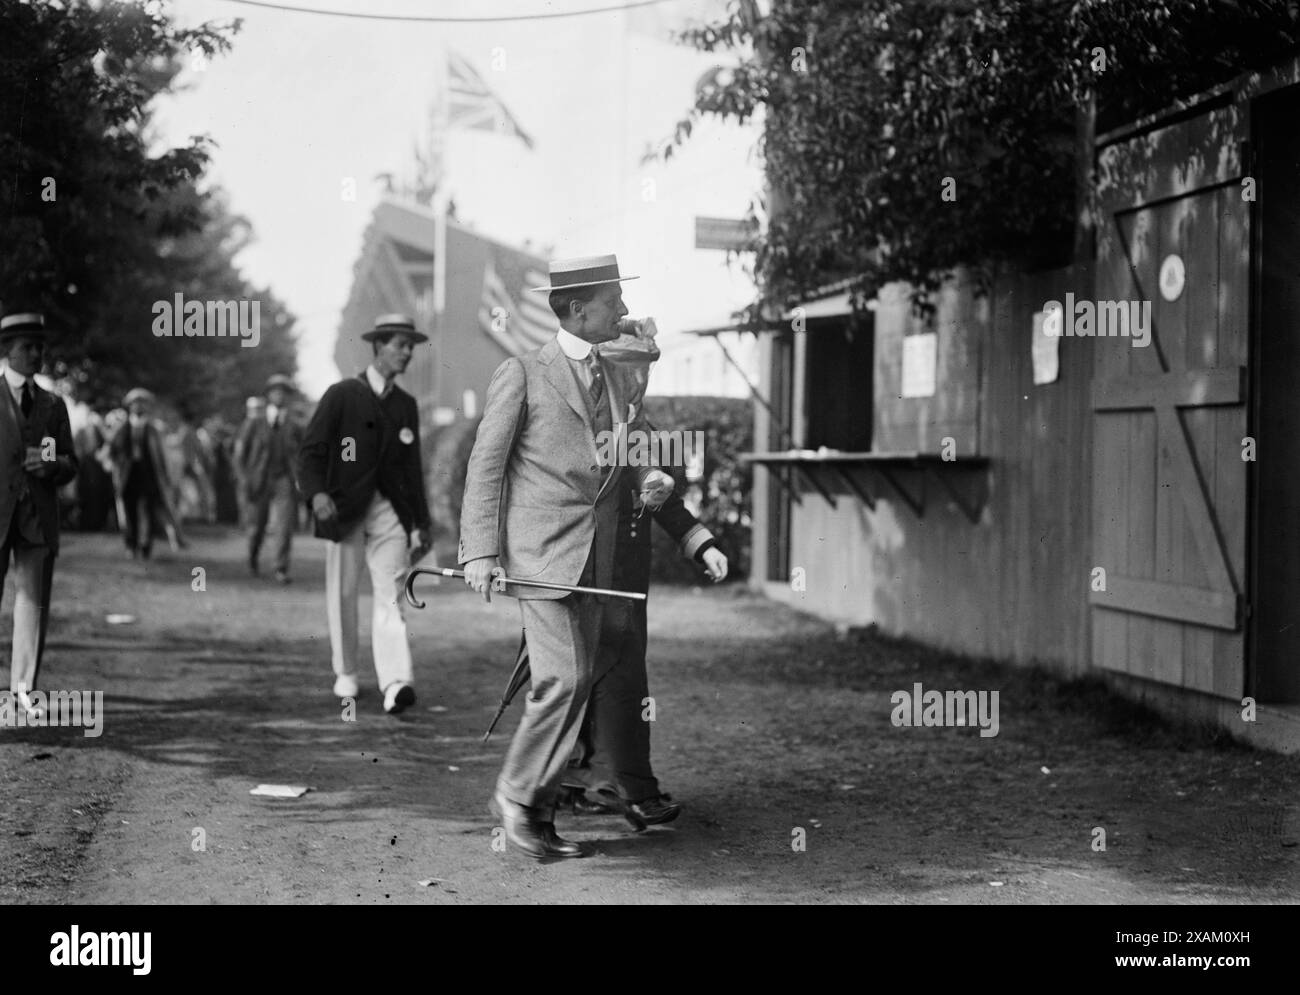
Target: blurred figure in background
<point>254,415</point>
<point>140,477</point>
<point>218,439</point>
<point>94,485</point>
<point>270,446</point>
<point>195,500</point>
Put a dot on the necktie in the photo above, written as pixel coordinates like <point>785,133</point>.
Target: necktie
<point>26,403</point>
<point>597,388</point>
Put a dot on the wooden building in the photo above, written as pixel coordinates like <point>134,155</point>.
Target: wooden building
<point>1087,503</point>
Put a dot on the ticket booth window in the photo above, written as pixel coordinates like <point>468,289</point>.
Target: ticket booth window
<point>838,384</point>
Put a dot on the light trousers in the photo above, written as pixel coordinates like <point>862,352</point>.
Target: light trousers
<point>33,571</point>
<point>562,639</point>
<point>379,541</point>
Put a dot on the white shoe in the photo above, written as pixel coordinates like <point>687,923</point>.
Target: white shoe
<point>345,687</point>
<point>33,711</point>
<point>398,697</point>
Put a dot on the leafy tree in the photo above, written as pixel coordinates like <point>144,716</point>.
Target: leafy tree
<point>904,138</point>
<point>207,374</point>
<point>96,224</point>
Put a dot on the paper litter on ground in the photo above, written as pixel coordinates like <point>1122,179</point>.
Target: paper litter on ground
<point>280,790</point>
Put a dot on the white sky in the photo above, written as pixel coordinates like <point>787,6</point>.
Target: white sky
<point>304,101</point>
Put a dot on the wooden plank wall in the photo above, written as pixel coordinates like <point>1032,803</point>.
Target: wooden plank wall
<point>903,424</point>
<point>1013,586</point>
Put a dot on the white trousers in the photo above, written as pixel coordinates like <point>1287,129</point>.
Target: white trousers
<point>29,565</point>
<point>380,541</point>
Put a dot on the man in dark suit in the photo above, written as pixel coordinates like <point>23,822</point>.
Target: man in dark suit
<point>37,456</point>
<point>140,476</point>
<point>360,462</point>
<point>539,505</point>
<point>267,449</point>
<point>613,752</point>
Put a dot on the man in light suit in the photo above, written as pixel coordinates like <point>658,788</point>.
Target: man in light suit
<point>539,505</point>
<point>268,447</point>
<point>37,457</point>
<point>360,462</point>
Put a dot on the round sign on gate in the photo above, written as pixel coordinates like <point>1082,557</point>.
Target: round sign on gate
<point>1172,277</point>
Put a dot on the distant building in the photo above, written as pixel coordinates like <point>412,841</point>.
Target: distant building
<point>488,314</point>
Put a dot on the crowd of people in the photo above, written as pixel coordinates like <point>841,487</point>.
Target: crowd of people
<point>545,518</point>
<point>197,473</point>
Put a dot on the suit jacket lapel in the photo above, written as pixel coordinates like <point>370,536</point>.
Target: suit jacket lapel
<point>12,413</point>
<point>560,376</point>
<point>42,404</point>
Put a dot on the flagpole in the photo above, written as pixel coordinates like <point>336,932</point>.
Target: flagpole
<point>439,137</point>
<point>439,128</point>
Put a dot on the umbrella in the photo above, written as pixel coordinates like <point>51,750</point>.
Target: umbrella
<point>521,676</point>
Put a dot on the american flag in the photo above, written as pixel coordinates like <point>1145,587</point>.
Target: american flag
<point>472,105</point>
<point>525,321</point>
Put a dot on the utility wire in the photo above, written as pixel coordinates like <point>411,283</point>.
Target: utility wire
<point>447,20</point>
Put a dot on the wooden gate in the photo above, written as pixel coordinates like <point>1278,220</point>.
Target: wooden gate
<point>1170,483</point>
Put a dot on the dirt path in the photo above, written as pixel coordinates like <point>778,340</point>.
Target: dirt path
<point>767,724</point>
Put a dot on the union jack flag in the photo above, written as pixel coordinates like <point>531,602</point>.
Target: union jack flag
<point>471,104</point>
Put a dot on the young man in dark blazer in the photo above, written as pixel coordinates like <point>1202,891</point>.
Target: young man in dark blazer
<point>360,464</point>
<point>36,458</point>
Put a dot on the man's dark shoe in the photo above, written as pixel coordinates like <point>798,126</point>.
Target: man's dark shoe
<point>575,799</point>
<point>557,847</point>
<point>525,832</point>
<point>657,810</point>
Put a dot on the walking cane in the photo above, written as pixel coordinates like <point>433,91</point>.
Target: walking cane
<point>545,585</point>
<point>522,672</point>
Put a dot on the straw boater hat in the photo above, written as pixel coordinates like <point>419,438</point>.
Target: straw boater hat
<point>389,324</point>
<point>137,394</point>
<point>589,271</point>
<point>23,323</point>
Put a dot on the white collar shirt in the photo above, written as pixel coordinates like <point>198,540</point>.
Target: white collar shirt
<point>376,380</point>
<point>15,381</point>
<point>578,352</point>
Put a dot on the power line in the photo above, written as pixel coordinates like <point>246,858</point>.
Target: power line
<point>447,20</point>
